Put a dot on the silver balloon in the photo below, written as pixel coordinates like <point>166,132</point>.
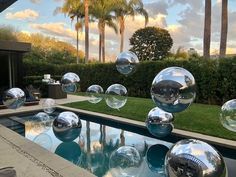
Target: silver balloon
<point>49,105</point>
<point>69,82</point>
<point>228,115</point>
<point>156,158</point>
<point>67,126</point>
<point>41,120</point>
<point>116,96</point>
<point>173,89</point>
<point>126,62</point>
<point>125,162</point>
<point>14,98</point>
<point>95,93</point>
<point>196,159</point>
<point>159,122</point>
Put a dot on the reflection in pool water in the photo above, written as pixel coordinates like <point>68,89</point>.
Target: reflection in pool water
<point>93,148</point>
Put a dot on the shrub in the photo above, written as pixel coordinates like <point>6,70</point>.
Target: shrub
<point>151,43</point>
<point>216,80</point>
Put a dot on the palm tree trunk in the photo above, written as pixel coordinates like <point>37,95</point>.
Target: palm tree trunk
<point>77,44</point>
<point>103,42</point>
<point>207,30</point>
<point>122,31</point>
<point>224,28</point>
<point>100,49</point>
<point>86,19</point>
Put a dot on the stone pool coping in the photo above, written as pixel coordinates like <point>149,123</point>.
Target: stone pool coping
<point>183,133</point>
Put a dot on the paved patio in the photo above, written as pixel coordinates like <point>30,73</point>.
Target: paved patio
<point>69,99</point>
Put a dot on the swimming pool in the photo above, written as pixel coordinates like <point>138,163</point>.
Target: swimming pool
<point>99,137</point>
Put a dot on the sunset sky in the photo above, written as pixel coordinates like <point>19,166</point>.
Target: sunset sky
<point>183,18</point>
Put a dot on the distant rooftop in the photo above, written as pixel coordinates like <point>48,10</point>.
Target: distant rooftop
<point>5,4</point>
<point>12,46</point>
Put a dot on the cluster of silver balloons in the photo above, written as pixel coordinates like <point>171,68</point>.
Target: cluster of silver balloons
<point>115,95</point>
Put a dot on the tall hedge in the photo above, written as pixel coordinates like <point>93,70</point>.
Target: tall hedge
<point>216,79</point>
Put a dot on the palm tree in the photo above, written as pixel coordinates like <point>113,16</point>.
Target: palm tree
<point>128,8</point>
<point>207,30</point>
<point>102,11</point>
<point>224,28</point>
<point>86,18</point>
<point>74,9</point>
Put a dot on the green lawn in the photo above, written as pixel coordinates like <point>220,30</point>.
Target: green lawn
<point>197,118</point>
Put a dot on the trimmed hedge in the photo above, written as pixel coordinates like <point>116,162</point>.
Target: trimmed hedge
<point>216,79</point>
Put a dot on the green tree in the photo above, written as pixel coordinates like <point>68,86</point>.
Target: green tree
<point>207,30</point>
<point>224,28</point>
<point>7,33</point>
<point>128,8</point>
<point>102,11</point>
<point>151,43</point>
<point>74,9</point>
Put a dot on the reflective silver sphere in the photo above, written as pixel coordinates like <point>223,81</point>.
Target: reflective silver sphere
<point>116,96</point>
<point>228,115</point>
<point>125,162</point>
<point>196,159</point>
<point>126,62</point>
<point>49,105</point>
<point>173,89</point>
<point>159,122</point>
<point>67,126</point>
<point>95,93</point>
<point>14,98</point>
<point>69,82</point>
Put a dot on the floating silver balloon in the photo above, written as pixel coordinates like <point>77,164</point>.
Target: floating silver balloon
<point>69,82</point>
<point>125,162</point>
<point>49,105</point>
<point>173,89</point>
<point>116,96</point>
<point>228,115</point>
<point>194,158</point>
<point>126,62</point>
<point>44,140</point>
<point>67,126</point>
<point>95,93</point>
<point>70,151</point>
<point>14,98</point>
<point>159,122</point>
<point>41,121</point>
<point>156,158</point>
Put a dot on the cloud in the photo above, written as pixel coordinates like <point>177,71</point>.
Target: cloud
<point>58,29</point>
<point>26,14</point>
<point>35,1</point>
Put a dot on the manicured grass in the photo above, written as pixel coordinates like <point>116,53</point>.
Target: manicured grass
<point>197,118</point>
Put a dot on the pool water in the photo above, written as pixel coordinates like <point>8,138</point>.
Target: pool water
<point>93,148</point>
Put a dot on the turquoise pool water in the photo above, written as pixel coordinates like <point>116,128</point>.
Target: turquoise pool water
<point>93,148</point>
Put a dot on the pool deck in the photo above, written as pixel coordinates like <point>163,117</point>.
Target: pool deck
<point>28,158</point>
<point>31,160</point>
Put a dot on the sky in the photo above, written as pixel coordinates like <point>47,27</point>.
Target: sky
<point>184,20</point>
